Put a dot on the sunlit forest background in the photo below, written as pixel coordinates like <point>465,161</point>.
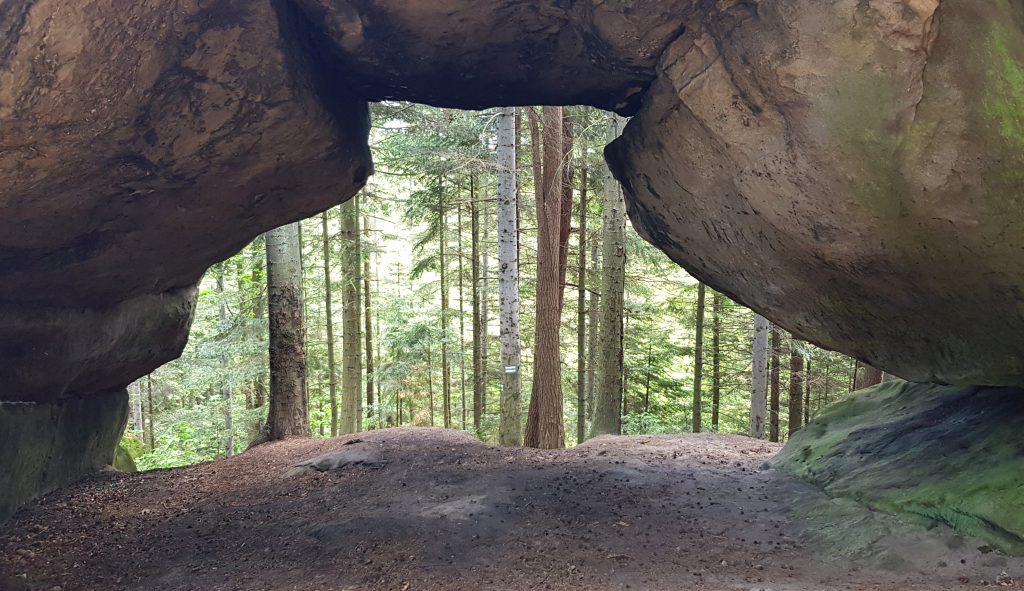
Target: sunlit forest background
<point>427,215</point>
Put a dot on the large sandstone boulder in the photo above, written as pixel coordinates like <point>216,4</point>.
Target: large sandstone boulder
<point>853,170</point>
<point>141,142</point>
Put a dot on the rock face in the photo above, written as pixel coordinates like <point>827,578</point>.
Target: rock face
<point>45,446</point>
<point>852,170</point>
<point>141,143</point>
<point>943,453</point>
<point>471,54</point>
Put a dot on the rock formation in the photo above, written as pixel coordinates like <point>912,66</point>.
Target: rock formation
<point>851,169</point>
<point>945,454</point>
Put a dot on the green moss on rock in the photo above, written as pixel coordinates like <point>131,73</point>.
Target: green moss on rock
<point>123,461</point>
<point>948,454</point>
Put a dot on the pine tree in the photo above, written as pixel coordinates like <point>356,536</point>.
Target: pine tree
<point>608,393</point>
<point>351,321</point>
<point>796,393</point>
<point>332,373</point>
<point>698,360</point>
<point>289,406</point>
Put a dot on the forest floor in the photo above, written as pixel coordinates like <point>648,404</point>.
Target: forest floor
<point>428,509</point>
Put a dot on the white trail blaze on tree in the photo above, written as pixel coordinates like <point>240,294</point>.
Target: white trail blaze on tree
<point>510,431</point>
<point>289,408</point>
<point>759,381</point>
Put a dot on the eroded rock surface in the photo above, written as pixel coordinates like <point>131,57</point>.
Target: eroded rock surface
<point>945,454</point>
<point>139,143</point>
<point>853,170</point>
<point>472,54</point>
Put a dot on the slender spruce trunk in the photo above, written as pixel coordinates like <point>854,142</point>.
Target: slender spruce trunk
<point>610,375</point>
<point>776,385</point>
<point>351,321</point>
<point>698,361</point>
<point>479,335</point>
<point>581,316</point>
<point>227,393</point>
<point>716,358</point>
<point>151,445</point>
<point>332,371</point>
<point>462,319</point>
<point>796,393</point>
<point>446,376</point>
<point>368,326</point>
<point>289,404</point>
<point>593,324</point>
<point>485,294</point>
<point>807,393</point>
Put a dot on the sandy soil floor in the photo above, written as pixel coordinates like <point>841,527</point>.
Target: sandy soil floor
<point>428,509</point>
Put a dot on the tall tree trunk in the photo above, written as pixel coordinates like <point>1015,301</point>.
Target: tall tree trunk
<point>430,383</point>
<point>138,417</point>
<point>332,373</point>
<point>462,320</point>
<point>351,321</point>
<point>510,430</point>
<point>759,379</point>
<point>581,316</point>
<point>698,360</point>
<point>152,414</point>
<point>565,173</point>
<point>647,376</point>
<point>716,358</point>
<point>259,384</point>
<point>608,391</point>
<point>368,326</point>
<point>289,404</point>
<point>807,393</point>
<point>796,390</point>
<point>479,330</point>
<point>446,376</point>
<point>544,423</point>
<point>226,386</point>
<point>593,321</point>
<point>828,381</point>
<point>776,402</point>
<point>485,294</point>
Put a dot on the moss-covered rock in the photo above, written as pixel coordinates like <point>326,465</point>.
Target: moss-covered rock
<point>123,461</point>
<point>948,454</point>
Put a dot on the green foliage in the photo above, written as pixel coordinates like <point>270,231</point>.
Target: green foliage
<point>433,166</point>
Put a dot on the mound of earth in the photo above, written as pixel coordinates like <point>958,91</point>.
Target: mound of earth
<point>944,454</point>
<point>428,509</point>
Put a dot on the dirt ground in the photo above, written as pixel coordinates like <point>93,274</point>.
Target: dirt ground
<point>427,509</point>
